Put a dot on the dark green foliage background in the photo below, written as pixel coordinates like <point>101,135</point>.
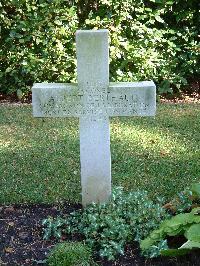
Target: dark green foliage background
<point>152,39</point>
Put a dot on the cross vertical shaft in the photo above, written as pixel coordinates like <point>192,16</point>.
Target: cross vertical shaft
<point>93,80</point>
<point>93,100</point>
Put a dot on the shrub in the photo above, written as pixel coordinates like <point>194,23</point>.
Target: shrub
<point>70,254</point>
<point>108,227</point>
<point>37,43</point>
<point>156,40</point>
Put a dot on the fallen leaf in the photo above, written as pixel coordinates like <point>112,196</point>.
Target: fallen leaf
<point>169,206</point>
<point>23,235</point>
<point>163,153</point>
<point>11,223</point>
<point>9,250</point>
<point>9,209</point>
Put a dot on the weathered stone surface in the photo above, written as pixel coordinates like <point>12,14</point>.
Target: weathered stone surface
<point>93,100</point>
<point>120,99</point>
<point>56,100</point>
<point>93,79</point>
<point>131,99</point>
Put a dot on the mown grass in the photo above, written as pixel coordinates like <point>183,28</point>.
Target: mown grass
<point>39,158</point>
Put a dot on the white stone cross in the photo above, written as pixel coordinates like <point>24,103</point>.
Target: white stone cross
<point>93,100</point>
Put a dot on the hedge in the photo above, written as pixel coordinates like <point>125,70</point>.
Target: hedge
<point>152,39</point>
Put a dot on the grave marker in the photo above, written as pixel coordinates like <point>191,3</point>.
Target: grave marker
<point>93,100</point>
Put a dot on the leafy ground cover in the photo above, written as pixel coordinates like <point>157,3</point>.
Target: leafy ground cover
<point>39,158</point>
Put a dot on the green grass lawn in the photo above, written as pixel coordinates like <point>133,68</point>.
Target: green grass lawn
<point>39,158</point>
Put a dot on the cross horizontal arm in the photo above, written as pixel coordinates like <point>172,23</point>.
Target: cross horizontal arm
<point>56,100</point>
<point>120,99</point>
<point>131,99</point>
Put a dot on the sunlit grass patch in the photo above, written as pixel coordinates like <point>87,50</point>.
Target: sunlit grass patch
<point>40,158</point>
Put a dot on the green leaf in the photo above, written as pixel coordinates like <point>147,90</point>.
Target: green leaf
<point>57,22</point>
<point>196,211</point>
<point>19,94</point>
<point>8,69</point>
<point>159,19</point>
<point>190,245</point>
<point>164,86</point>
<point>174,252</point>
<point>174,226</point>
<point>193,233</point>
<point>196,189</point>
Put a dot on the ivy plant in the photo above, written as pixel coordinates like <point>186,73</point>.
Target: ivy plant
<point>128,216</point>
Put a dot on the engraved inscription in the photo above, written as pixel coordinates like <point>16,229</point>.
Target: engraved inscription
<point>95,102</point>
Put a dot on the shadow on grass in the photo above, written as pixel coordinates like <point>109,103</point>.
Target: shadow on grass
<point>40,160</point>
